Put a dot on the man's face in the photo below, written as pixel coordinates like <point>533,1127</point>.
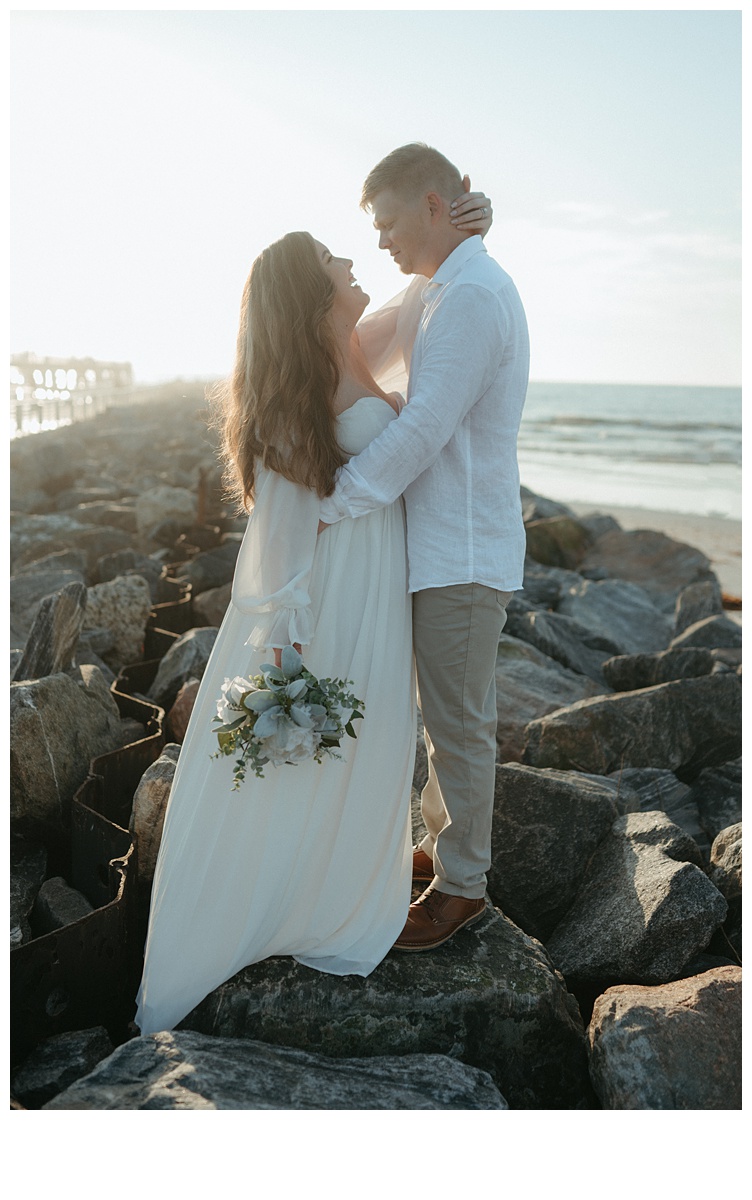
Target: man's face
<point>405,230</point>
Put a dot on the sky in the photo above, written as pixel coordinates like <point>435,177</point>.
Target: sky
<point>155,153</point>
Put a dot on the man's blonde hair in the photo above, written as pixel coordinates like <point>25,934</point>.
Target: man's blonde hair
<point>412,171</point>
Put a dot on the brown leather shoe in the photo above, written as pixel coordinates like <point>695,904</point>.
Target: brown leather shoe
<point>423,871</point>
<point>435,917</point>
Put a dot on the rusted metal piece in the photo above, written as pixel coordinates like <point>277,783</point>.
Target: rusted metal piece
<point>87,973</point>
<point>174,608</point>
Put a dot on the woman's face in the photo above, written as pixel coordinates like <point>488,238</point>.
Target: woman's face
<point>349,299</point>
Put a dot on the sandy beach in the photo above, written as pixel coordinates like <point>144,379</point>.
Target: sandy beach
<point>720,538</point>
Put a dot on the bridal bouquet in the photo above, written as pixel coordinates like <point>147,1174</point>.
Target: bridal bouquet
<point>283,715</point>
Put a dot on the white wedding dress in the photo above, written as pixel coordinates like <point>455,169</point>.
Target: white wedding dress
<point>314,860</point>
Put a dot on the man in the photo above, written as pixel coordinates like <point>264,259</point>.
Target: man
<point>453,455</point>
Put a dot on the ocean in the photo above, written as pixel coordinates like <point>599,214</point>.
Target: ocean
<point>672,448</point>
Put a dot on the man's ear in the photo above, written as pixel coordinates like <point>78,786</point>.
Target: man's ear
<point>436,206</point>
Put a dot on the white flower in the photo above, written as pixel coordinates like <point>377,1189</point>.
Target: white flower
<point>285,741</point>
<point>234,689</point>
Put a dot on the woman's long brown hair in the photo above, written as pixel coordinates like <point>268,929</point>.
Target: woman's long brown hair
<point>278,405</point>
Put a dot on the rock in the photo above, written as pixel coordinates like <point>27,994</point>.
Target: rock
<point>28,867</point>
<point>180,713</point>
<point>717,631</point>
<point>27,591</point>
<point>35,537</point>
<point>183,1070</point>
<point>122,605</point>
<point>54,635</point>
<point>717,792</point>
<point>697,601</point>
<point>535,507</point>
<point>57,904</point>
<point>597,524</point>
<point>164,504</point>
<point>620,612</point>
<point>630,672</point>
<point>659,564</point>
<point>558,541</point>
<point>726,873</point>
<point>131,731</point>
<point>212,568</point>
<point>546,827</point>
<point>210,606</point>
<point>688,724</point>
<point>71,498</point>
<point>97,638</point>
<point>420,771</point>
<point>61,560</point>
<point>543,585</point>
<point>58,1062</point>
<point>104,512</point>
<point>57,725</point>
<point>186,659</point>
<point>650,789</point>
<point>529,684</point>
<point>148,812</point>
<point>677,1046</point>
<point>489,996</point>
<point>566,640</point>
<point>644,910</point>
<point>85,656</point>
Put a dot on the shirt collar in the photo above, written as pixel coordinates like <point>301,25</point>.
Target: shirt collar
<point>453,264</point>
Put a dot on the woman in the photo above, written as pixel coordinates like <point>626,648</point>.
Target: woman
<point>314,861</point>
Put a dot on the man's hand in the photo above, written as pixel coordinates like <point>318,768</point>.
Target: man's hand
<point>472,211</point>
<point>278,654</point>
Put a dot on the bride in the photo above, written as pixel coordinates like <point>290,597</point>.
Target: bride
<point>313,860</point>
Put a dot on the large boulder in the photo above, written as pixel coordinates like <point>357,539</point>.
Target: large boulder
<point>717,792</point>
<point>28,867</point>
<point>726,873</point>
<point>621,612</point>
<point>164,504</point>
<point>529,684</point>
<point>186,659</point>
<point>676,1046</point>
<point>535,507</point>
<point>557,541</point>
<point>546,827</point>
<point>209,607</point>
<point>57,725</point>
<point>566,640</point>
<point>148,812</point>
<point>490,997</point>
<point>644,910</point>
<point>542,585</point>
<point>630,672</point>
<point>178,718</point>
<point>58,904</point>
<point>712,632</point>
<point>659,564</point>
<point>54,635</point>
<point>183,1070</point>
<point>651,789</point>
<point>28,590</point>
<point>687,724</point>
<point>212,568</point>
<point>121,605</point>
<point>58,1062</point>
<point>697,601</point>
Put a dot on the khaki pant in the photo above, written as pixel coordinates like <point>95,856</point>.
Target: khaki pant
<point>456,634</point>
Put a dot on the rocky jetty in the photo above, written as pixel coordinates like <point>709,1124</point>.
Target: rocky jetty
<point>606,971</point>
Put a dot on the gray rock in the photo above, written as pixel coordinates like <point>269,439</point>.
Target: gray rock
<point>726,862</point>
<point>564,639</point>
<point>57,725</point>
<point>659,564</point>
<point>96,638</point>
<point>543,585</point>
<point>186,659</point>
<point>209,607</point>
<point>165,504</point>
<point>630,672</point>
<point>620,612</point>
<point>688,724</point>
<point>212,568</point>
<point>71,498</point>
<point>61,560</point>
<point>696,601</point>
<point>529,684</point>
<point>27,591</point>
<point>183,1070</point>
<point>677,1046</point>
<point>558,541</point>
<point>535,507</point>
<point>644,910</point>
<point>717,631</point>
<point>148,812</point>
<point>122,605</point>
<point>104,512</point>
<point>131,731</point>
<point>597,524</point>
<point>28,867</point>
<point>489,997</point>
<point>54,635</point>
<point>717,792</point>
<point>651,789</point>
<point>58,1062</point>
<point>546,827</point>
<point>85,657</point>
<point>57,904</point>
<point>39,536</point>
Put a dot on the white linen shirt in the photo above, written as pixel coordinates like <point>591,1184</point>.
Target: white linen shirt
<point>453,451</point>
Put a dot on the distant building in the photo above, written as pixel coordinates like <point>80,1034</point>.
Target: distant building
<point>46,392</point>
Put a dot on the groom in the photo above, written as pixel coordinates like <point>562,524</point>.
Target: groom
<point>453,453</point>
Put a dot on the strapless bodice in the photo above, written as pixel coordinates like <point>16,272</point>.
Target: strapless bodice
<point>362,422</point>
